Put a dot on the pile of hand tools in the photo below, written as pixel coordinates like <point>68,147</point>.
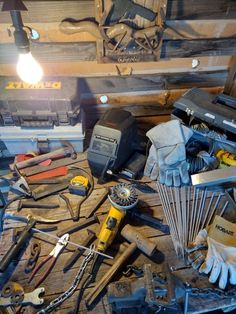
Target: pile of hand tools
<point>34,180</point>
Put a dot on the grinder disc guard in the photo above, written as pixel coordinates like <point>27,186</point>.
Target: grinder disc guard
<point>123,196</point>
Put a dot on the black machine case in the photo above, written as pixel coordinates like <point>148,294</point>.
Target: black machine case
<point>51,102</point>
<point>219,110</point>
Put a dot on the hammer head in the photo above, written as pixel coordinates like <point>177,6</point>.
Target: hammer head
<point>132,235</point>
<point>71,149</point>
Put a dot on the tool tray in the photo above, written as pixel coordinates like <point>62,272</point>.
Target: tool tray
<point>51,102</point>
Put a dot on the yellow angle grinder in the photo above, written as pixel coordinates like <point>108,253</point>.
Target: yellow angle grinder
<point>123,197</point>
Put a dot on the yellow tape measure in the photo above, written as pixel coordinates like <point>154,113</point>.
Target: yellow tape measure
<point>79,185</point>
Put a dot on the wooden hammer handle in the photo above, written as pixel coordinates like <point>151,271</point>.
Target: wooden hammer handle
<point>94,293</point>
<point>56,154</point>
<point>132,235</point>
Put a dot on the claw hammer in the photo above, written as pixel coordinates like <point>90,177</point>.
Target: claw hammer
<point>137,241</point>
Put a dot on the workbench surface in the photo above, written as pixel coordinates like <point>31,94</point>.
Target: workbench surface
<point>57,281</point>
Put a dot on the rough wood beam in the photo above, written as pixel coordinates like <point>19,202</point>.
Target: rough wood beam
<point>144,88</point>
<point>74,52</point>
<point>160,100</point>
<point>188,29</point>
<point>201,9</point>
<point>199,29</point>
<point>161,104</point>
<point>92,68</point>
<point>230,85</point>
<point>53,11</point>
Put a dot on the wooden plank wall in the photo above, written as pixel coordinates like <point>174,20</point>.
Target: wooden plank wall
<point>202,30</point>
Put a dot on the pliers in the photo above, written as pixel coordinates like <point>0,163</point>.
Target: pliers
<point>61,244</point>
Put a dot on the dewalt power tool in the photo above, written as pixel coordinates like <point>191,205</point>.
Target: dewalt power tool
<point>123,197</point>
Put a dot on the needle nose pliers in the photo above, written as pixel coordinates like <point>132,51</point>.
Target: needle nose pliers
<point>61,244</point>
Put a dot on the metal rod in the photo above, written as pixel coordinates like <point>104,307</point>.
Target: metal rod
<point>208,210</point>
<point>167,214</point>
<point>224,208</point>
<point>199,216</point>
<point>72,243</point>
<point>188,214</point>
<point>191,216</point>
<point>214,209</point>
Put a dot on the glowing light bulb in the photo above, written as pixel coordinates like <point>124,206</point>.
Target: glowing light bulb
<point>28,69</point>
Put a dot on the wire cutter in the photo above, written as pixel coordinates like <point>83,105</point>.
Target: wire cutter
<point>61,244</point>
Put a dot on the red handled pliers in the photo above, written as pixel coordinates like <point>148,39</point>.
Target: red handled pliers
<point>61,244</point>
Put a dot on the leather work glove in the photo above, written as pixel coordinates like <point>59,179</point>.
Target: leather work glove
<point>167,156</point>
<point>151,169</point>
<point>219,261</point>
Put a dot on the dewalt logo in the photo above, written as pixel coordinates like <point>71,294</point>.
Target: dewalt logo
<point>40,85</point>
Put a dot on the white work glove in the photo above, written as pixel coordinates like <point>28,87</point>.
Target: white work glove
<point>220,259</point>
<point>167,156</point>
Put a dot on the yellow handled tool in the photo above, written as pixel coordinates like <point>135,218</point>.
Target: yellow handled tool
<point>226,157</point>
<point>122,197</point>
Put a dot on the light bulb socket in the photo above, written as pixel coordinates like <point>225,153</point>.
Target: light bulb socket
<point>20,35</point>
<point>21,41</point>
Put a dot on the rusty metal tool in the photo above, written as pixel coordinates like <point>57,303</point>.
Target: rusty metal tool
<point>35,250</point>
<point>45,190</point>
<point>13,294</point>
<point>78,252</point>
<point>28,204</point>
<point>17,184</point>
<point>21,186</point>
<point>12,253</point>
<point>75,227</point>
<point>38,218</point>
<point>18,243</point>
<point>101,200</point>
<point>52,256</point>
<point>137,241</point>
<point>149,221</point>
<point>30,171</point>
<point>68,205</point>
<point>67,150</point>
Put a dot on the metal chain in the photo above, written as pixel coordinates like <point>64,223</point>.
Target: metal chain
<point>65,295</point>
<point>214,291</point>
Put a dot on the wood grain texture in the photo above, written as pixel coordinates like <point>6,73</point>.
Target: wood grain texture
<point>175,29</point>
<point>191,9</point>
<point>53,11</point>
<point>74,52</point>
<point>93,69</point>
<point>230,85</point>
